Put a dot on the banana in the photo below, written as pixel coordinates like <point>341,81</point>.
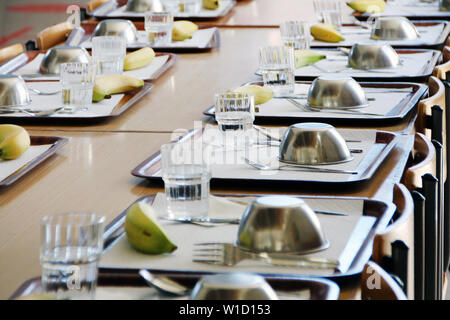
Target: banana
<point>143,231</point>
<point>183,29</point>
<point>211,4</point>
<point>108,85</point>
<point>325,32</point>
<point>138,59</point>
<point>261,94</point>
<point>307,57</point>
<point>367,6</point>
<point>14,141</point>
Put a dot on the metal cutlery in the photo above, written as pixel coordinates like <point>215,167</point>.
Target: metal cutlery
<point>163,284</point>
<point>271,137</point>
<point>206,222</point>
<point>303,168</point>
<point>337,111</point>
<point>227,254</point>
<point>41,93</point>
<point>31,112</point>
<point>276,144</point>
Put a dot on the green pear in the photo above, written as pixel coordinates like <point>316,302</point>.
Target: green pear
<point>143,231</point>
<point>306,57</point>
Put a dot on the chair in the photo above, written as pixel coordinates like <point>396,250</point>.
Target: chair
<point>11,51</point>
<point>377,284</point>
<point>54,35</point>
<point>94,4</point>
<point>423,177</point>
<point>433,124</point>
<point>389,244</point>
<point>440,70</point>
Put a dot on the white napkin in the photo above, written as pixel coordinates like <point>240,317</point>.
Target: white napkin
<point>8,167</point>
<point>412,65</point>
<point>428,36</point>
<point>383,104</point>
<point>41,102</point>
<point>337,229</point>
<point>143,73</point>
<point>200,39</point>
<point>414,8</point>
<point>225,5</point>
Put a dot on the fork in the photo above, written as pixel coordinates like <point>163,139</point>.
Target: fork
<point>227,254</point>
<point>306,108</point>
<point>287,167</point>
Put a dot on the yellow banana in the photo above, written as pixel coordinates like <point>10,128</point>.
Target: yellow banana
<point>261,94</point>
<point>14,141</point>
<point>108,85</point>
<point>325,32</point>
<point>306,57</point>
<point>183,30</point>
<point>211,4</point>
<point>138,59</point>
<point>367,6</point>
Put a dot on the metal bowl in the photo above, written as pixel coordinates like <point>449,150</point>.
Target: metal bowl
<point>233,286</point>
<point>117,27</point>
<point>139,5</point>
<point>13,91</point>
<point>336,92</point>
<point>280,224</point>
<point>394,28</point>
<point>58,55</point>
<point>372,55</point>
<point>312,143</point>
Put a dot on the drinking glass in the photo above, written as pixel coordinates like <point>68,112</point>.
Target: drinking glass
<point>329,11</point>
<point>108,53</point>
<point>189,6</point>
<point>277,65</point>
<point>158,26</point>
<point>235,113</point>
<point>295,34</point>
<point>71,246</point>
<point>186,180</point>
<point>77,81</point>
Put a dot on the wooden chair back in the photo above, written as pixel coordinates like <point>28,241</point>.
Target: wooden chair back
<point>440,70</point>
<point>53,35</point>
<point>423,160</point>
<point>377,284</point>
<point>11,51</point>
<point>402,228</point>
<point>424,111</point>
<point>94,4</point>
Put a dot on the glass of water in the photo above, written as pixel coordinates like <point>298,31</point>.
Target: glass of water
<point>235,113</point>
<point>277,65</point>
<point>71,246</point>
<point>77,81</point>
<point>329,11</point>
<point>295,34</point>
<point>158,26</point>
<point>109,53</point>
<point>186,180</point>
<point>189,6</point>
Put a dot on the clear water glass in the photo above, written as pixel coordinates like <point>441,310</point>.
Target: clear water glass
<point>277,65</point>
<point>77,82</point>
<point>295,34</point>
<point>158,26</point>
<point>186,181</point>
<point>71,246</point>
<point>109,53</point>
<point>329,11</point>
<point>235,113</point>
<point>189,6</point>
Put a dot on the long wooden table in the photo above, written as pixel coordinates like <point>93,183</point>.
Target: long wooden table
<point>92,172</point>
